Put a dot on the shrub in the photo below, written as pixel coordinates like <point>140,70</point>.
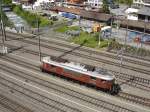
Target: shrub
<point>89,40</point>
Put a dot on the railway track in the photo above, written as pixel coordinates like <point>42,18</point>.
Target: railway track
<point>84,49</point>
<point>51,104</point>
<point>145,71</point>
<point>78,96</point>
<point>63,90</point>
<point>133,98</point>
<point>112,56</point>
<point>138,82</point>
<point>12,106</point>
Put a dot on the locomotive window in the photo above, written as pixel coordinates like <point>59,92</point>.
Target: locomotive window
<point>94,78</point>
<point>103,81</point>
<point>53,66</point>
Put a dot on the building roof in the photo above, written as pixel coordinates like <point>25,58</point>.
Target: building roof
<point>85,14</point>
<point>80,68</point>
<point>131,10</point>
<point>135,23</point>
<point>144,11</point>
<point>146,1</point>
<point>95,15</point>
<point>102,17</point>
<point>25,0</point>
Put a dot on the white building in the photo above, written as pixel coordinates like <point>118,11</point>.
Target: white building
<point>131,14</point>
<point>141,2</point>
<point>16,1</point>
<point>40,3</point>
<point>94,3</point>
<point>138,14</point>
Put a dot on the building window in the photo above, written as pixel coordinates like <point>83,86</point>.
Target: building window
<point>53,66</point>
<point>94,78</point>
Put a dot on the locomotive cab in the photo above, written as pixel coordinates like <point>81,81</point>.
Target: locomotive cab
<point>110,79</point>
<point>115,88</point>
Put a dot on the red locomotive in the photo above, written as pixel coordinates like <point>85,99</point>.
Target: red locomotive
<point>80,72</point>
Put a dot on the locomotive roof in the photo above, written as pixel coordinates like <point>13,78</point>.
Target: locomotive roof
<point>80,68</point>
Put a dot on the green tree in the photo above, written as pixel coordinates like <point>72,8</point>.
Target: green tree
<point>129,2</point>
<point>105,6</point>
<point>7,1</point>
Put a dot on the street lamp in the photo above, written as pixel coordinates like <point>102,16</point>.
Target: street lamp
<point>120,54</point>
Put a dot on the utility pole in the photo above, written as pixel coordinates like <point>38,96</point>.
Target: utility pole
<point>39,37</point>
<point>120,55</point>
<point>143,32</point>
<point>4,32</point>
<point>1,23</point>
<point>112,18</point>
<point>121,60</point>
<point>125,41</point>
<point>4,49</point>
<point>79,23</point>
<point>99,39</point>
<point>111,24</point>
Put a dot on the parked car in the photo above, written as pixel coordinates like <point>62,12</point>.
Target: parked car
<point>145,39</point>
<point>53,17</point>
<point>114,6</point>
<point>73,33</point>
<point>44,14</point>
